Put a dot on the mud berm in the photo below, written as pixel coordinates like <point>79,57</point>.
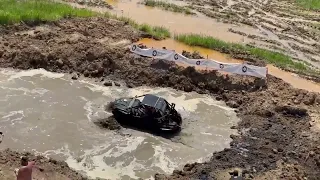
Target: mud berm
<point>279,128</point>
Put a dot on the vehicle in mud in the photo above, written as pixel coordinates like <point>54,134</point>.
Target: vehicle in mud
<point>151,113</point>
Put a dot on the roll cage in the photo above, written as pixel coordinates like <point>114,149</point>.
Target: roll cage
<point>156,105</point>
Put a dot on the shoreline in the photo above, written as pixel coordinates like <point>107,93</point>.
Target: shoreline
<point>275,119</point>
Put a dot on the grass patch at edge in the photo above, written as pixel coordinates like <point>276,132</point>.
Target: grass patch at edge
<point>276,58</point>
<point>35,11</point>
<point>13,11</point>
<point>157,32</point>
<point>309,4</point>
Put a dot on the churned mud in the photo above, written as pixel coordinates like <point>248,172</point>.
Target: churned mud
<point>283,26</point>
<point>279,128</point>
<point>277,25</point>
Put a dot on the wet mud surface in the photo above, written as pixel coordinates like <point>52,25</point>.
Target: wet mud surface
<point>277,25</point>
<point>283,26</point>
<point>279,128</point>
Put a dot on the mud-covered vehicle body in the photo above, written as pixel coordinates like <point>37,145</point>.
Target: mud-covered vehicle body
<point>152,113</point>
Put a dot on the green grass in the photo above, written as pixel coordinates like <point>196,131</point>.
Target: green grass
<point>309,4</point>
<point>278,59</point>
<point>168,6</point>
<point>157,32</point>
<point>14,11</point>
<point>36,11</point>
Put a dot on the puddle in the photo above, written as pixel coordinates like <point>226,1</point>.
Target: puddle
<point>288,77</point>
<point>179,47</point>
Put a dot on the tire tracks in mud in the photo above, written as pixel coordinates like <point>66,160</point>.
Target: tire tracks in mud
<point>276,21</point>
<point>275,129</point>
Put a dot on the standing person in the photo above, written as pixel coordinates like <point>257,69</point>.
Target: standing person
<point>25,172</point>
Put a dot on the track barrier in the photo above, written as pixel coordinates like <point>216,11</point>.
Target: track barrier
<point>170,55</point>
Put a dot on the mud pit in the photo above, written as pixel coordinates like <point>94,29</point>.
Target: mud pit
<point>278,128</point>
<point>70,109</point>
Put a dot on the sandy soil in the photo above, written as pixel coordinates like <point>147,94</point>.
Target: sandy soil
<point>279,134</point>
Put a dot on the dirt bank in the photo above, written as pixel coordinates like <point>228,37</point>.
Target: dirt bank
<point>279,127</point>
<point>49,169</point>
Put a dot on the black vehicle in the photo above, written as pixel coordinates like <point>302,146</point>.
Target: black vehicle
<point>152,113</point>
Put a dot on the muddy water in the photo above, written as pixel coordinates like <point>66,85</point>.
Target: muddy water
<point>177,23</point>
<point>288,77</point>
<point>50,114</point>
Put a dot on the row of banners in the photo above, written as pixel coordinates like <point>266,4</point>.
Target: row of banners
<point>170,55</point>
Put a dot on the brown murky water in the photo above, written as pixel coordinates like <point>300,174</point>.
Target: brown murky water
<point>177,23</point>
<point>291,78</point>
<point>52,115</point>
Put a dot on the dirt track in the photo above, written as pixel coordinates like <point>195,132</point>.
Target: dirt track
<point>279,131</point>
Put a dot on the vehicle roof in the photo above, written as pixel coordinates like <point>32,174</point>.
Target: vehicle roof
<point>154,101</point>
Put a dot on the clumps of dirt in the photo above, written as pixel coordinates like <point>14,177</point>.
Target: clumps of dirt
<point>49,46</point>
<point>287,20</point>
<point>275,117</point>
<point>291,111</point>
<point>49,169</point>
<point>273,129</point>
<point>162,64</point>
<point>94,3</point>
<point>108,123</point>
<point>194,55</point>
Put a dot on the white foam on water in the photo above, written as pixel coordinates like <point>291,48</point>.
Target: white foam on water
<point>189,105</point>
<point>94,112</point>
<point>102,159</point>
<point>40,91</point>
<point>95,159</point>
<point>13,116</point>
<point>34,72</point>
<point>162,161</point>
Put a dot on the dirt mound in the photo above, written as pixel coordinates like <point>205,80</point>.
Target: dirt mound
<point>194,55</point>
<point>108,123</point>
<point>275,117</point>
<point>49,169</point>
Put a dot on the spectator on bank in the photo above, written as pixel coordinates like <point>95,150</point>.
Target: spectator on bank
<point>25,171</point>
